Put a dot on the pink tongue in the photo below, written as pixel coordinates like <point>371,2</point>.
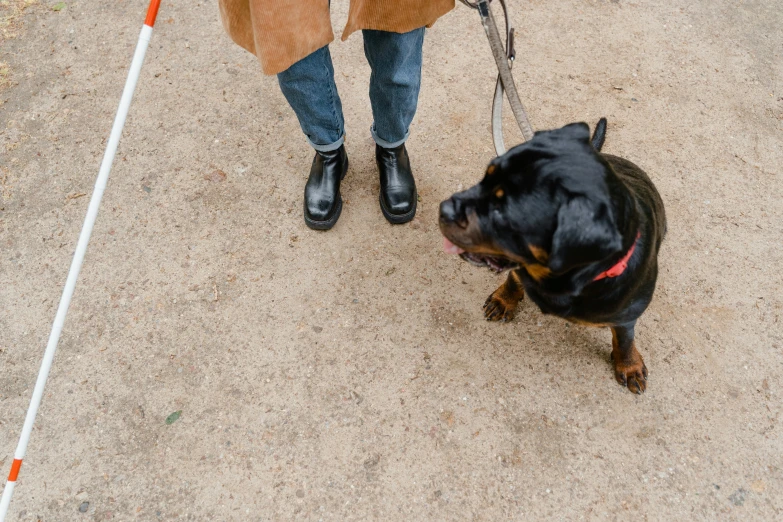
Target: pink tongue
<point>451,248</point>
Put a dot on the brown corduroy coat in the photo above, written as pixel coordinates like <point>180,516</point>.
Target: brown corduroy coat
<point>282,32</point>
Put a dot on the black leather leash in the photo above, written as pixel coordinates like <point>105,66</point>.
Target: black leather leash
<point>504,59</point>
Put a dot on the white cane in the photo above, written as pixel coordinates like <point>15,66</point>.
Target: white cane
<point>81,249</point>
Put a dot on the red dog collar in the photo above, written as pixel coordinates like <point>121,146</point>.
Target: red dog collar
<point>621,265</point>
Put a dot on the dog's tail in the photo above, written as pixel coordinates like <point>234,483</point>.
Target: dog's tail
<point>599,134</point>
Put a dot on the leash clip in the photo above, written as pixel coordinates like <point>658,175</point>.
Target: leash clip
<point>512,52</point>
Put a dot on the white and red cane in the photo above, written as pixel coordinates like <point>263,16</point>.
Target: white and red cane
<point>81,249</point>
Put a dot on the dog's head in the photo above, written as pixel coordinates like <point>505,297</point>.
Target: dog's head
<point>545,205</point>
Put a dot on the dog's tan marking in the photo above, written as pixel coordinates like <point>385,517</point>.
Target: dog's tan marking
<point>537,272</point>
<point>539,253</point>
<point>586,323</point>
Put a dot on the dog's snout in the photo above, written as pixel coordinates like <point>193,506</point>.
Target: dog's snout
<point>452,212</point>
<point>447,211</point>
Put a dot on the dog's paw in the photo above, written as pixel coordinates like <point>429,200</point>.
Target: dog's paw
<point>631,372</point>
<point>499,307</point>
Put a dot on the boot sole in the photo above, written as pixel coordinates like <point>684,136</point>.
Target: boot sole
<point>328,223</point>
<point>399,219</point>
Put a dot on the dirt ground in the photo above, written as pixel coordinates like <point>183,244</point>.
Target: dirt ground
<point>350,375</point>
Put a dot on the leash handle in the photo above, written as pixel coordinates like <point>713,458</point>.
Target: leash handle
<point>504,59</point>
<point>505,79</point>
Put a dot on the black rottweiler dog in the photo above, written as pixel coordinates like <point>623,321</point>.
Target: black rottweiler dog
<point>580,231</point>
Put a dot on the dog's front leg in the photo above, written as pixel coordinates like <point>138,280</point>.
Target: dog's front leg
<point>501,305</point>
<point>629,368</point>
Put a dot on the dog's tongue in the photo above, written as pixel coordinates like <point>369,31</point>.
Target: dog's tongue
<point>451,248</point>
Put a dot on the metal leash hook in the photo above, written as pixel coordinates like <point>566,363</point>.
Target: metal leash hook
<point>504,59</point>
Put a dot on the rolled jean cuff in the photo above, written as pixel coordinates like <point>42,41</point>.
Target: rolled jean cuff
<point>388,144</point>
<point>327,148</point>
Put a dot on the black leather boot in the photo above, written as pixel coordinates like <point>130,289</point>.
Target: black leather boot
<point>322,200</point>
<point>398,189</point>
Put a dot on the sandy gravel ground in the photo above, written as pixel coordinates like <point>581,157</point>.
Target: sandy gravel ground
<point>350,375</point>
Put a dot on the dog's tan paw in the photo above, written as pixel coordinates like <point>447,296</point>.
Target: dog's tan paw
<point>631,372</point>
<point>499,307</point>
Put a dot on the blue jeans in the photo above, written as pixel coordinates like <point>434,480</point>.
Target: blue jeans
<point>395,60</point>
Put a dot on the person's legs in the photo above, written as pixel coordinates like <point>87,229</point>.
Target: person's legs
<point>395,60</point>
<point>309,87</point>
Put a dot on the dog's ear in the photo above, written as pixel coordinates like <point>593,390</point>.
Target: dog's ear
<point>586,233</point>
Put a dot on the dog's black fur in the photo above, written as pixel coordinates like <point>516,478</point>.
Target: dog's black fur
<point>558,212</point>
